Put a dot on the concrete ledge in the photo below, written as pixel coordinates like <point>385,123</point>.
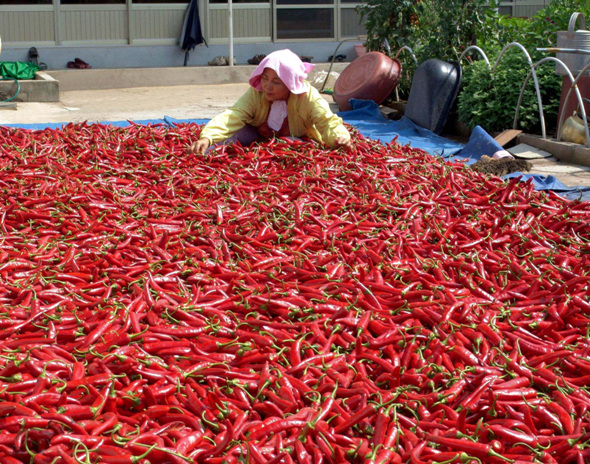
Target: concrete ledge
<point>564,151</point>
<point>101,79</point>
<point>43,88</point>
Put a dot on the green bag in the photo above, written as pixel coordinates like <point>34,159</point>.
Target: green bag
<point>18,70</point>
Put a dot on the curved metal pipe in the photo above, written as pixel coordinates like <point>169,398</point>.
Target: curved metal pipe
<point>405,47</point>
<point>356,39</point>
<point>480,51</point>
<point>387,47</point>
<point>534,74</point>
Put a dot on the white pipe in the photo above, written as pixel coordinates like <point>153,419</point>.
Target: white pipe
<point>405,47</point>
<point>231,33</point>
<point>535,80</point>
<point>480,51</point>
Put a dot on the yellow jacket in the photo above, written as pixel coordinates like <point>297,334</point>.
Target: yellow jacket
<point>308,115</point>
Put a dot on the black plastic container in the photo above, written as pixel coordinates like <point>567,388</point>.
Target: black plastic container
<point>435,86</point>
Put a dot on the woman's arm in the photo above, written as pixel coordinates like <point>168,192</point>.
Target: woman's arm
<point>329,125</point>
<point>233,119</point>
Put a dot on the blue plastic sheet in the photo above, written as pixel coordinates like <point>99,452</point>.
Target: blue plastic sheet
<point>366,117</point>
<point>480,143</point>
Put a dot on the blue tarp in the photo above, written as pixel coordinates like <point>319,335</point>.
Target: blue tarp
<point>367,118</point>
<point>369,121</point>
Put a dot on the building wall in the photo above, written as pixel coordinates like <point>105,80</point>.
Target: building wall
<point>27,26</point>
<point>131,34</point>
<point>146,35</point>
<point>522,8</point>
<point>165,56</point>
<point>125,24</point>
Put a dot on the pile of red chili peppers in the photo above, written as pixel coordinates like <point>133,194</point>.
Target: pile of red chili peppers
<point>283,303</point>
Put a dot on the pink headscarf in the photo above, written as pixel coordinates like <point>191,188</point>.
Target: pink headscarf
<point>288,66</point>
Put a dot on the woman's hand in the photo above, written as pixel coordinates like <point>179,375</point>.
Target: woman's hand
<point>200,146</point>
<point>343,142</point>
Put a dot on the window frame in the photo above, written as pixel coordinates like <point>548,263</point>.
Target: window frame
<point>278,8</point>
<point>336,5</point>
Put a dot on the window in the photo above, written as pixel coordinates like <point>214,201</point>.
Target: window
<point>351,24</point>
<point>160,1</point>
<point>305,23</point>
<point>25,2</point>
<point>305,19</point>
<point>305,2</point>
<point>93,2</point>
<point>238,1</point>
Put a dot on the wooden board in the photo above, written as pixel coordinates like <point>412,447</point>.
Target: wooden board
<point>507,136</point>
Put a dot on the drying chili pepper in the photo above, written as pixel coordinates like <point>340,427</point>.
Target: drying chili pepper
<point>363,302</point>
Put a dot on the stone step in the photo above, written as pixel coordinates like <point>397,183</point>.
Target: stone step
<point>101,79</point>
<point>44,88</point>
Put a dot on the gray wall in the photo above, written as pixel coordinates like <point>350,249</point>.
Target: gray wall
<point>170,55</point>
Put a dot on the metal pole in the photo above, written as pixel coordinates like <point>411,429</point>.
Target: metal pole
<point>231,33</point>
<point>130,23</point>
<point>535,80</point>
<point>57,18</point>
<point>404,47</point>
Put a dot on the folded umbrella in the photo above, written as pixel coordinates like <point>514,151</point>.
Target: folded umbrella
<point>192,34</point>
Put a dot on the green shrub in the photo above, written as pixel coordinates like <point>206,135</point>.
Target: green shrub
<point>490,100</point>
<point>491,103</point>
<point>446,28</point>
<point>431,28</point>
<point>443,29</point>
<point>391,20</point>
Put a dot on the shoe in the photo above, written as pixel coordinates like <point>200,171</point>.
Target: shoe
<point>339,58</point>
<point>256,59</point>
<point>72,65</point>
<point>81,64</point>
<point>307,59</point>
<point>218,61</point>
<point>34,56</point>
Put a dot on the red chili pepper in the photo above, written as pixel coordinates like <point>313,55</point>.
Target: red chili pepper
<point>479,450</point>
<point>512,435</point>
<point>162,295</point>
<point>189,442</point>
<point>273,427</point>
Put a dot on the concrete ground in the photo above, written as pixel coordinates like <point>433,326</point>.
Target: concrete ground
<point>140,103</point>
<point>203,102</point>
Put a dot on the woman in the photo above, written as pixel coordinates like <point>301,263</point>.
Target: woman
<point>279,103</point>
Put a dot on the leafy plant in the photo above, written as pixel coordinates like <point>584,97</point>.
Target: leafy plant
<point>490,99</point>
<point>443,29</point>
<point>431,28</point>
<point>388,20</point>
<point>446,28</point>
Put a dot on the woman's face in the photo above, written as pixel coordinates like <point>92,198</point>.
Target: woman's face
<point>273,86</point>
